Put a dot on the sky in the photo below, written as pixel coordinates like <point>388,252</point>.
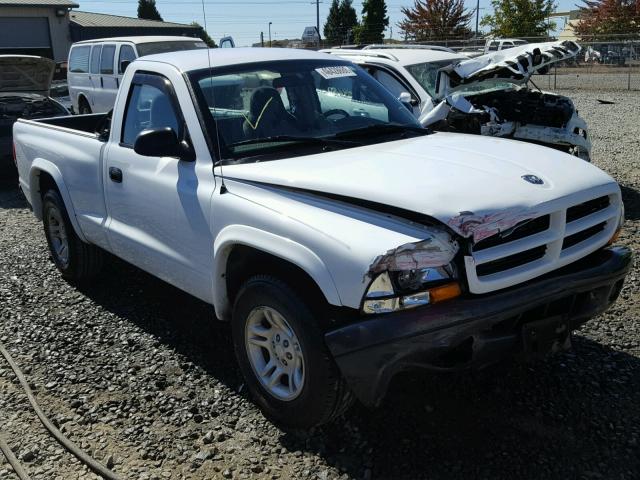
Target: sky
<point>245,19</point>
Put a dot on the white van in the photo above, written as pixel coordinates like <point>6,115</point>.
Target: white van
<point>96,66</point>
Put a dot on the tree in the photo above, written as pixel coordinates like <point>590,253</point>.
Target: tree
<point>332,25</point>
<point>435,19</point>
<point>348,21</point>
<point>374,22</point>
<point>204,35</point>
<point>147,10</point>
<point>602,18</point>
<point>520,18</point>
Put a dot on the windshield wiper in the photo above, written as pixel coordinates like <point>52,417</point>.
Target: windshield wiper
<point>293,138</point>
<point>383,128</point>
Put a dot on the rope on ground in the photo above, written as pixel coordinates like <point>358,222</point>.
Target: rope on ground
<point>13,461</point>
<point>94,465</point>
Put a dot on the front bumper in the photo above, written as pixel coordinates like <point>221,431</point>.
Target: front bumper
<point>477,330</point>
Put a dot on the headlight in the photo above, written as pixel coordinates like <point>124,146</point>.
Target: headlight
<point>413,275</point>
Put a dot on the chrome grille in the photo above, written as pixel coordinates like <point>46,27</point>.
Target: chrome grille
<point>556,237</point>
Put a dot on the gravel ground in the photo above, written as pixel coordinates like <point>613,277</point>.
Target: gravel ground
<point>139,375</point>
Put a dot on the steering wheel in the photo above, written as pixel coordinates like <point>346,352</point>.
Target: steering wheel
<point>336,111</point>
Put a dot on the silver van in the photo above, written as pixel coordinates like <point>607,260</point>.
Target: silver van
<point>96,66</point>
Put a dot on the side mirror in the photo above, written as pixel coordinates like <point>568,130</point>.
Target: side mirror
<point>407,100</point>
<point>124,64</point>
<point>162,142</point>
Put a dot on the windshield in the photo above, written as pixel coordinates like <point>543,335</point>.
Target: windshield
<point>170,46</point>
<point>427,73</point>
<point>270,107</point>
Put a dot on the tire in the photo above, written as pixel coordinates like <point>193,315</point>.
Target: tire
<point>83,107</point>
<point>77,261</point>
<point>321,393</point>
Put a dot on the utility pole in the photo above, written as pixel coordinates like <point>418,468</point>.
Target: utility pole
<point>317,2</point>
<point>262,39</point>
<point>318,19</point>
<point>270,34</point>
<point>477,16</point>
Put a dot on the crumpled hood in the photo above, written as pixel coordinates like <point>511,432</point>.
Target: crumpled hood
<point>441,175</point>
<point>515,64</point>
<point>26,73</point>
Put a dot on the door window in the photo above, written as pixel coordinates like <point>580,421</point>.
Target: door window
<point>126,55</point>
<point>149,107</point>
<point>106,62</point>
<point>79,60</point>
<point>95,58</point>
<point>493,46</point>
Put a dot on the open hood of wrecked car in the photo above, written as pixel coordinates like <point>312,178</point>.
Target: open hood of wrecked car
<point>25,73</point>
<point>515,65</point>
<point>441,175</point>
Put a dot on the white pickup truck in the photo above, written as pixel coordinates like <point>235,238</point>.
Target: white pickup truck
<point>344,244</point>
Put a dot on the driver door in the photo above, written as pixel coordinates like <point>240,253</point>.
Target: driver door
<point>158,210</point>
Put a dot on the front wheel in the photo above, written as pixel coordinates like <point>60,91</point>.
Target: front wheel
<point>283,357</point>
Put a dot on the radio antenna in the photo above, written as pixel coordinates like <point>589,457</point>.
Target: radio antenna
<point>212,103</point>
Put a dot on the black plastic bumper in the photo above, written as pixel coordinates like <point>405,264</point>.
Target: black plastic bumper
<point>531,319</point>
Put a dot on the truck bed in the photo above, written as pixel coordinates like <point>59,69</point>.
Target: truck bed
<point>71,147</point>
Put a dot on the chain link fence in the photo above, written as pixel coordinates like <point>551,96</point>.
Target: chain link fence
<point>601,65</point>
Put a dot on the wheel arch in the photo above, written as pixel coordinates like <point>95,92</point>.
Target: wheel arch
<point>82,97</point>
<point>43,176</point>
<point>241,251</point>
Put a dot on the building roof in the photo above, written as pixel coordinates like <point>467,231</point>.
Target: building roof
<point>38,3</point>
<point>90,19</point>
<point>142,39</point>
<point>190,60</point>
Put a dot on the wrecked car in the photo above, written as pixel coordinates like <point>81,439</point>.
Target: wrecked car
<point>344,244</point>
<point>492,94</point>
<point>24,93</point>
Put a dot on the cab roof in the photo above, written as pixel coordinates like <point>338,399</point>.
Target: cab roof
<point>402,56</point>
<point>190,60</point>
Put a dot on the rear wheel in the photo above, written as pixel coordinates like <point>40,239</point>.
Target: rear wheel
<point>77,261</point>
<point>83,107</point>
<point>283,358</point>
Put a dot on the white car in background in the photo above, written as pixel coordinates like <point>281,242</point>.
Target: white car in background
<point>96,66</point>
<point>486,95</point>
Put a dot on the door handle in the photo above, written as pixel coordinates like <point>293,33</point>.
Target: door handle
<point>115,174</point>
<point>101,82</point>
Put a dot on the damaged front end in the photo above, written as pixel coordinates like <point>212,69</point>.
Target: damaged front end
<point>524,321</point>
<point>413,275</point>
<point>522,114</point>
<point>489,95</point>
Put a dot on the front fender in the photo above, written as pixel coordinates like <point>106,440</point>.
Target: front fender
<point>39,166</point>
<point>276,245</point>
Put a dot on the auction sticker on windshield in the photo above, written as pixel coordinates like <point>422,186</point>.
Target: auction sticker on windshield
<point>337,71</point>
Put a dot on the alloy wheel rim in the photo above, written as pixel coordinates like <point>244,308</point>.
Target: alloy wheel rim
<point>275,353</point>
<point>58,236</point>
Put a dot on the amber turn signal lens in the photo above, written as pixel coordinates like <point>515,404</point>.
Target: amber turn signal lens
<point>615,237</point>
<point>445,292</point>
